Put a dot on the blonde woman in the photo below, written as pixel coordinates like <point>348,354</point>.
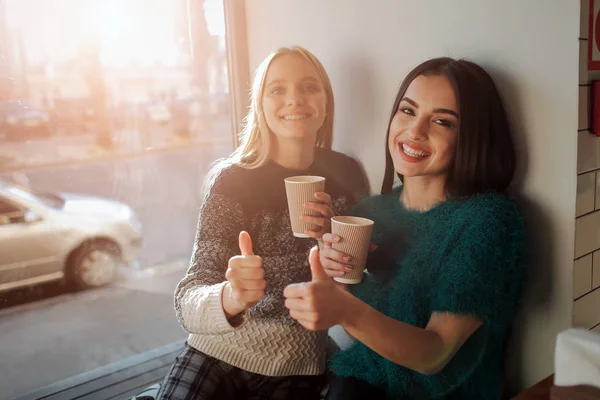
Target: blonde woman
<point>242,342</point>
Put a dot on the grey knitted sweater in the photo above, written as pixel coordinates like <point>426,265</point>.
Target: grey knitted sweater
<point>266,341</point>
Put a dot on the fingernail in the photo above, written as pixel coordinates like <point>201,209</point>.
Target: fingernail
<point>341,273</point>
<point>347,258</point>
<point>348,268</point>
<point>335,238</point>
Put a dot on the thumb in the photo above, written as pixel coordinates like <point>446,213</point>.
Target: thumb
<point>316,269</point>
<point>245,243</point>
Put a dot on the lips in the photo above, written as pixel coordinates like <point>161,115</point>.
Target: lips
<point>413,150</point>
<point>295,116</point>
<point>412,153</point>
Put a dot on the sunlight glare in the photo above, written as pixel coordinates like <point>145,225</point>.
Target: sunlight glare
<point>132,32</point>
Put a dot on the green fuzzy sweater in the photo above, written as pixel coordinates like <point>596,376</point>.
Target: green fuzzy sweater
<point>462,257</point>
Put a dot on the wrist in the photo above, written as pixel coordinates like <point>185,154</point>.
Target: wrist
<point>352,309</point>
<point>231,306</point>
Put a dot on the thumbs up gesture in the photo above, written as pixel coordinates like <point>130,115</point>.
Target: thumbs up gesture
<point>316,268</point>
<point>318,304</point>
<point>245,279</point>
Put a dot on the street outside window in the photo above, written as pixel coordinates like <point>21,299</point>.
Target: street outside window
<point>111,114</point>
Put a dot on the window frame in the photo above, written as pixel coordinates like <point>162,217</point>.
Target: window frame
<point>238,66</point>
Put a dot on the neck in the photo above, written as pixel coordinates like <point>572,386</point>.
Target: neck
<point>293,154</point>
<point>423,193</point>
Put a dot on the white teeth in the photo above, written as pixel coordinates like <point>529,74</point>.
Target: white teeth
<point>293,117</point>
<point>413,152</point>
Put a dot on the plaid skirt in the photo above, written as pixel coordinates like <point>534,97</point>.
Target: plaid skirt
<point>196,376</point>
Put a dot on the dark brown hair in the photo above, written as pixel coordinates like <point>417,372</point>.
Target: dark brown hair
<point>485,157</point>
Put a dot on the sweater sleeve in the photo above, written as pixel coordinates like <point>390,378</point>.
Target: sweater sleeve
<point>483,272</point>
<point>198,302</point>
<point>481,276</point>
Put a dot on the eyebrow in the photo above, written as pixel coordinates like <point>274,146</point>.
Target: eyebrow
<point>308,78</point>
<point>437,110</point>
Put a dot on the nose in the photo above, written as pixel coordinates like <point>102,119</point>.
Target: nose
<point>418,130</point>
<point>294,98</point>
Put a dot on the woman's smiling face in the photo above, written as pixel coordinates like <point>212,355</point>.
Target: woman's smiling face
<point>294,100</point>
<point>424,130</point>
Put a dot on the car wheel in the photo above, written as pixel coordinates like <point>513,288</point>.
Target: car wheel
<point>93,264</point>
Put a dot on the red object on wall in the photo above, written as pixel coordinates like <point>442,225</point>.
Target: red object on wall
<point>596,107</point>
<point>594,36</point>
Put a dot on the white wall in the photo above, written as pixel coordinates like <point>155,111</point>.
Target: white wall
<point>530,47</point>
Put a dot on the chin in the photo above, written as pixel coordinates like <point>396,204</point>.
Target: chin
<point>406,170</point>
<point>408,174</point>
<point>297,135</point>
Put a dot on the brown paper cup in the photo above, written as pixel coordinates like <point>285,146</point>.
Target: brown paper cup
<point>299,190</point>
<point>355,238</point>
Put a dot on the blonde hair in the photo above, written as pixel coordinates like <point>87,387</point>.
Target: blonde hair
<point>255,137</point>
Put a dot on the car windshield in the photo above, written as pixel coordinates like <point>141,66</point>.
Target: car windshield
<point>49,199</point>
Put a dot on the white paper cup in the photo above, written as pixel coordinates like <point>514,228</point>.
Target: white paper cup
<point>355,238</point>
<point>299,190</point>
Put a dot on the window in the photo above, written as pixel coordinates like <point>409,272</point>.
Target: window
<point>111,113</point>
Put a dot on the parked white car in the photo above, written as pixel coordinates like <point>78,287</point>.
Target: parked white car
<point>51,236</point>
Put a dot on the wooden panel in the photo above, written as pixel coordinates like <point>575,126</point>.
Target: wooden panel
<point>139,382</point>
<point>133,392</point>
<point>110,375</point>
<point>118,378</point>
